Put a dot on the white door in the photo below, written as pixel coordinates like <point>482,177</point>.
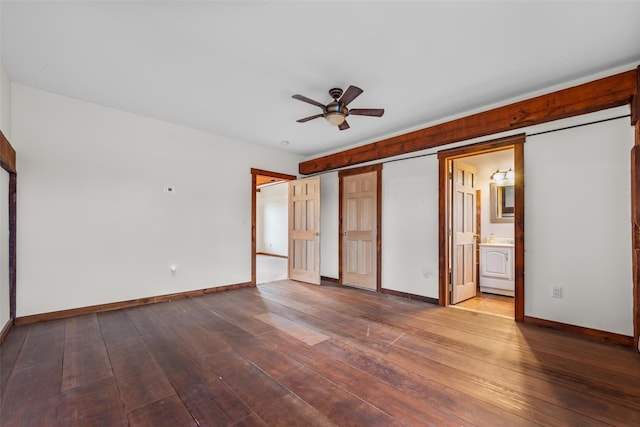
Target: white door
<point>359,230</point>
<point>463,221</point>
<point>304,230</point>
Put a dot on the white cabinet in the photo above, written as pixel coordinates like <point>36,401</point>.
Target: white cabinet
<point>496,269</point>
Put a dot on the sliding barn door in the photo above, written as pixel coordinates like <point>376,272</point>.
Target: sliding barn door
<point>304,230</point>
<point>359,230</point>
<point>463,256</point>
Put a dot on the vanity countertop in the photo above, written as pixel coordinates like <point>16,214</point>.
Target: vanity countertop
<point>497,244</point>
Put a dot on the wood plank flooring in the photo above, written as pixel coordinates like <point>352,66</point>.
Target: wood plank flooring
<point>290,354</point>
<point>498,305</point>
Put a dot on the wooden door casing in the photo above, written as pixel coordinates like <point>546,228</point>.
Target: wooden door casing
<point>255,174</point>
<point>445,157</point>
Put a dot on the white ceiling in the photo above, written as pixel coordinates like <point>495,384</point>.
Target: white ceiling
<point>230,67</point>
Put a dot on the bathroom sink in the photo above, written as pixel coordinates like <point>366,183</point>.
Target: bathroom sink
<point>497,244</point>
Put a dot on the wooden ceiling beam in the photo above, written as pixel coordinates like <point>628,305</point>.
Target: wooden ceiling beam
<point>7,154</point>
<point>608,92</point>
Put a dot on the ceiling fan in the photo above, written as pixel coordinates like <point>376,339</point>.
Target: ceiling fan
<point>336,112</point>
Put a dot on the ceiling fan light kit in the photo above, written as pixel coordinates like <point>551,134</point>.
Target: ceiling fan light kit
<point>336,112</point>
<point>336,118</point>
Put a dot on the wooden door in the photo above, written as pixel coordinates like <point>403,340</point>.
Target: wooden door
<point>463,237</point>
<point>359,230</point>
<point>304,230</point>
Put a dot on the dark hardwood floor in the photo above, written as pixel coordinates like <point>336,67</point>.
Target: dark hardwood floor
<point>291,354</point>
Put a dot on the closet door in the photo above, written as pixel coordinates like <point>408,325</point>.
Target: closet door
<point>359,230</point>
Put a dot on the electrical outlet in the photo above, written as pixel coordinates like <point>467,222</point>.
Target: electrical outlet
<point>557,292</point>
<point>170,189</point>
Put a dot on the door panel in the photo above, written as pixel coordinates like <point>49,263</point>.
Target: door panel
<point>463,272</point>
<point>359,230</point>
<point>304,230</point>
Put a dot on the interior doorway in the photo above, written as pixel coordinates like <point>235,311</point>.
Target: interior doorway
<point>482,227</point>
<point>269,226</point>
<point>272,246</point>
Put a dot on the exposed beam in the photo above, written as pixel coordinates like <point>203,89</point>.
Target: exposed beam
<point>7,154</point>
<point>608,92</point>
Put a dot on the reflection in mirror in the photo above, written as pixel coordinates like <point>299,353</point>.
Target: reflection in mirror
<point>502,203</point>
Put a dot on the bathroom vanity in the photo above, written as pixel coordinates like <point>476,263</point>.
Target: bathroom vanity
<point>497,265</point>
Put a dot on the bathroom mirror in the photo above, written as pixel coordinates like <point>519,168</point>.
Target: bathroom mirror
<point>502,203</point>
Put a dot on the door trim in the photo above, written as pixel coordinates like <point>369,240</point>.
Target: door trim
<point>254,189</point>
<point>8,163</point>
<point>512,142</point>
<point>357,171</point>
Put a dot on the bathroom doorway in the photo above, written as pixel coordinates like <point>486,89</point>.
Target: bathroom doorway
<point>482,228</point>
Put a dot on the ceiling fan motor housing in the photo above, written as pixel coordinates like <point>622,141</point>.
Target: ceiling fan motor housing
<point>335,93</point>
<point>337,107</point>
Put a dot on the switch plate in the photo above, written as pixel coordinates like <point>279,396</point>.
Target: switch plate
<point>557,292</point>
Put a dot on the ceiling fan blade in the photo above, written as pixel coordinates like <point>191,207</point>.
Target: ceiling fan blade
<point>308,100</point>
<point>306,119</point>
<point>343,126</point>
<point>375,112</point>
<point>352,93</point>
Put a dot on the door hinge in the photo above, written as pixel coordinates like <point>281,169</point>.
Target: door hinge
<point>450,282</point>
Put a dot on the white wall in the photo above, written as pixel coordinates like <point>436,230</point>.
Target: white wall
<point>578,226</point>
<point>410,226</point>
<point>585,247</point>
<point>5,94</point>
<point>5,103</point>
<point>329,226</point>
<point>5,126</point>
<point>272,219</point>
<point>94,225</point>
